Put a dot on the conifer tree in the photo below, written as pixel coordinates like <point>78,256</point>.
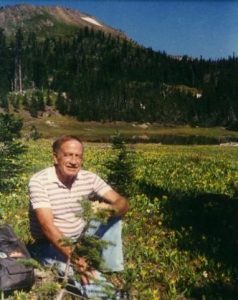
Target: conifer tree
<point>10,149</point>
<point>121,166</point>
<point>18,61</point>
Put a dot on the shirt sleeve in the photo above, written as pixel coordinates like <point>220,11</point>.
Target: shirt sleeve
<point>100,187</point>
<point>38,195</point>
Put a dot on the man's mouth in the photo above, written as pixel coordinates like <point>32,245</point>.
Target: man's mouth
<point>72,168</point>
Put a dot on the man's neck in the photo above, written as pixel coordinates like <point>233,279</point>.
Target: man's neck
<point>67,181</point>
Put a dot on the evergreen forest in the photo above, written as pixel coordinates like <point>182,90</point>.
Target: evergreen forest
<point>96,76</point>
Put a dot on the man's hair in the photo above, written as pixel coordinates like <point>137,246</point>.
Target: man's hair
<point>62,139</point>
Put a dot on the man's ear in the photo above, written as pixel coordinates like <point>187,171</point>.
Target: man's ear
<point>55,158</point>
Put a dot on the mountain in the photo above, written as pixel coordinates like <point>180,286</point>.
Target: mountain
<point>72,62</point>
<point>47,20</point>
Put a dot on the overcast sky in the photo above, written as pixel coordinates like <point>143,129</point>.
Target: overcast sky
<point>178,27</point>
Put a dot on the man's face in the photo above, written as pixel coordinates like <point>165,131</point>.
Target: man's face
<point>68,159</point>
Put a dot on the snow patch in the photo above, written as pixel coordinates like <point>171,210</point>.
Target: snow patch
<point>91,20</point>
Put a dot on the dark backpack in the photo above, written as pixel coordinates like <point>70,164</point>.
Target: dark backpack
<point>14,274</point>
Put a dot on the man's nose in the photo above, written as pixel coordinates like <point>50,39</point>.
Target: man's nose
<point>74,160</point>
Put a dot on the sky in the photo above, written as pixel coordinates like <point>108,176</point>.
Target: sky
<point>196,28</point>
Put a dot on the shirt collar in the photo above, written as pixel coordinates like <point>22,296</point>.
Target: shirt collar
<point>54,178</point>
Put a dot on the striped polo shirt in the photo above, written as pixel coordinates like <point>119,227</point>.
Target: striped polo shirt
<point>47,191</point>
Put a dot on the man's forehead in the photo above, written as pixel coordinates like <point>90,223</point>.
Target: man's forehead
<point>72,144</point>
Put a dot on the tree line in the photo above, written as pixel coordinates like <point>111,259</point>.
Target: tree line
<point>98,77</point>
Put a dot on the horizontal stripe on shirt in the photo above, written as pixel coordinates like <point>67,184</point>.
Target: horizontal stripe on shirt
<point>46,191</point>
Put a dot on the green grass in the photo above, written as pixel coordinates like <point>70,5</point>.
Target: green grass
<point>180,235</point>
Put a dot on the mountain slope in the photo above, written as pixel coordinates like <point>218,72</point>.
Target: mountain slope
<point>49,20</point>
<point>100,77</point>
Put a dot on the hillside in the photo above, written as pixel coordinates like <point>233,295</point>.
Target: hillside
<point>48,20</point>
<point>85,69</point>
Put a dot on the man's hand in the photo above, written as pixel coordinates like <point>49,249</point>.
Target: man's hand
<point>82,267</point>
<point>97,206</point>
<point>118,203</point>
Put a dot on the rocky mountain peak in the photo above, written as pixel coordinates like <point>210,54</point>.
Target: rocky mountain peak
<point>49,19</point>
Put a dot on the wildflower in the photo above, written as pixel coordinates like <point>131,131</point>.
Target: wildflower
<point>205,274</point>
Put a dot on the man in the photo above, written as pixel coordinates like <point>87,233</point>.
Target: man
<point>55,195</point>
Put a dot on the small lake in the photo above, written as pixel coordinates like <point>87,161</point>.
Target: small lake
<point>171,140</point>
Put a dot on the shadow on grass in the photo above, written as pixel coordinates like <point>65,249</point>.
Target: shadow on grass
<point>207,224</point>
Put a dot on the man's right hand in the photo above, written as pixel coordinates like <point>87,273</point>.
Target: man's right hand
<point>82,267</point>
<point>97,206</point>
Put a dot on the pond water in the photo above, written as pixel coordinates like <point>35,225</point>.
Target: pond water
<point>172,140</point>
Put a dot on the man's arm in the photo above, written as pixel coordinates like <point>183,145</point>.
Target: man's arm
<point>113,201</point>
<point>51,232</point>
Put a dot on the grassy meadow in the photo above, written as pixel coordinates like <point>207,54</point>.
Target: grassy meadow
<point>52,124</point>
<point>181,233</point>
